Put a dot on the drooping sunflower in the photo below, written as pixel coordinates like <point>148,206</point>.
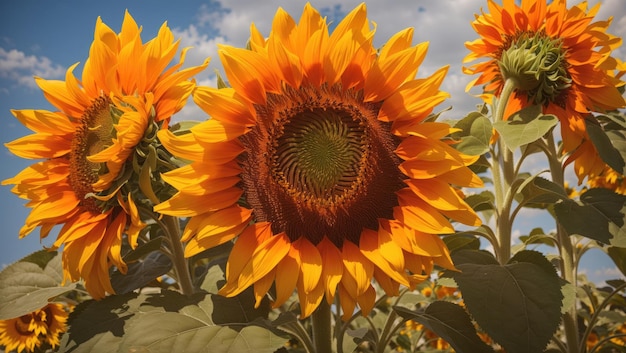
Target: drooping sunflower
<point>319,158</point>
<point>558,58</point>
<point>90,148</point>
<point>40,328</point>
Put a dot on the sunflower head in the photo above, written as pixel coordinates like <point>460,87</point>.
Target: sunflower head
<point>558,58</point>
<point>537,64</point>
<point>100,156</point>
<point>320,160</point>
<point>37,331</point>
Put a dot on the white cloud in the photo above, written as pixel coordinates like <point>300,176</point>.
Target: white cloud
<point>20,68</point>
<point>446,25</point>
<point>608,273</point>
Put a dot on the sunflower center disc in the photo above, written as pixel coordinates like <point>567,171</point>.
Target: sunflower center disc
<point>93,136</point>
<point>319,164</point>
<point>320,153</point>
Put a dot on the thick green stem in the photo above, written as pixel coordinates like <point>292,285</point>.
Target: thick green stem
<point>322,330</point>
<point>181,267</point>
<point>566,250</point>
<point>503,170</point>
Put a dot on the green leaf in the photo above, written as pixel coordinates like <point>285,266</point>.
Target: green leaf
<point>29,284</point>
<point>610,144</point>
<point>538,190</point>
<point>481,202</point>
<point>618,255</point>
<point>518,304</point>
<point>525,126</point>
<point>538,236</point>
<point>473,257</point>
<point>599,215</point>
<point>450,322</point>
<point>534,257</point>
<point>99,326</point>
<point>41,258</point>
<point>475,135</point>
<point>568,291</point>
<point>165,332</point>
<point>457,242</point>
<point>166,322</point>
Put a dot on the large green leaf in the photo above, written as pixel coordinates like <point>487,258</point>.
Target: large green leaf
<point>525,126</point>
<point>518,304</point>
<point>475,134</point>
<point>165,332</point>
<point>99,326</point>
<point>599,215</point>
<point>450,322</point>
<point>465,256</point>
<point>168,322</point>
<point>29,284</point>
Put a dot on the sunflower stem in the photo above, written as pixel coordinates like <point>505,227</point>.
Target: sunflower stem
<point>181,267</point>
<point>322,329</point>
<point>566,250</point>
<point>503,170</point>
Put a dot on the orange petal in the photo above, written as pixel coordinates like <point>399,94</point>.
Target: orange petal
<point>332,267</point>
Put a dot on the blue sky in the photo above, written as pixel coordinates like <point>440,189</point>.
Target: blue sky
<point>43,38</point>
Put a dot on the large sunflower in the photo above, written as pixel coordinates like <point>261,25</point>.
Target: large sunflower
<point>40,329</point>
<point>87,180</point>
<point>559,58</point>
<point>321,161</point>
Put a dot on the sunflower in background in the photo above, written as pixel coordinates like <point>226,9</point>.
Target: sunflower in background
<point>322,160</point>
<point>558,58</point>
<point>36,331</point>
<point>92,148</point>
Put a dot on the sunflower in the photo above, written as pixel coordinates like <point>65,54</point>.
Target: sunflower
<point>609,179</point>
<point>319,158</point>
<point>87,179</point>
<point>40,328</point>
<point>558,58</point>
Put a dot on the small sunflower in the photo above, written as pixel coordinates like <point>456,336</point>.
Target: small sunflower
<point>558,58</point>
<point>91,147</point>
<point>41,328</point>
<point>609,179</point>
<point>320,159</point>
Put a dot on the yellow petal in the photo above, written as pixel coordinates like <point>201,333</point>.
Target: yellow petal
<point>224,105</point>
<point>45,121</point>
<point>264,259</point>
<point>244,247</point>
<point>418,215</point>
<point>42,145</point>
<point>370,248</point>
<point>217,222</point>
<point>310,263</point>
<point>332,267</point>
<point>289,271</point>
<point>358,270</point>
<point>182,205</point>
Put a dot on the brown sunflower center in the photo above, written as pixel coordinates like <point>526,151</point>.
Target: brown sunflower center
<point>319,163</point>
<point>93,136</point>
<point>22,325</point>
<point>537,63</point>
